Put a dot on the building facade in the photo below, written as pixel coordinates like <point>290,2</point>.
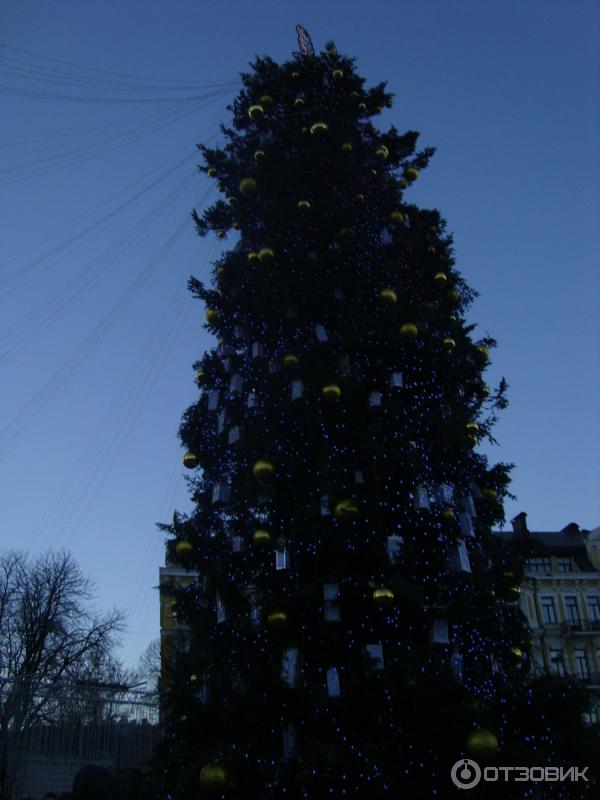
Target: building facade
<point>560,596</point>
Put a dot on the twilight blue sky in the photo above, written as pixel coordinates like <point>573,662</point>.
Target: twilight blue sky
<point>97,333</point>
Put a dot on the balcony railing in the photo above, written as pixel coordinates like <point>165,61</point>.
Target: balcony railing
<point>582,628</point>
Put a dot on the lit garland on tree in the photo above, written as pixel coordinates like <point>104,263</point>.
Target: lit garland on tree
<point>355,627</point>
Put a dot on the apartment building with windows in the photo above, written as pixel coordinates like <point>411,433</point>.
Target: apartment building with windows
<point>560,596</point>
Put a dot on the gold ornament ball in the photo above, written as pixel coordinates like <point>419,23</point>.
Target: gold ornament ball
<point>337,74</point>
<point>397,217</point>
<point>409,331</point>
<point>411,174</point>
<point>383,596</point>
<point>261,537</point>
<point>295,75</point>
<point>235,225</point>
<point>252,258</point>
<point>484,354</point>
<point>248,187</point>
<point>299,101</point>
<point>453,317</point>
<point>485,391</point>
<point>212,315</point>
<point>453,295</point>
<point>449,344</point>
<point>290,361</point>
<point>231,200</point>
<point>472,440</point>
<point>360,197</point>
<point>472,427</point>
<point>448,515</point>
<point>221,234</point>
<point>331,391</point>
<point>303,205</point>
<point>346,235</point>
<point>373,172</point>
<point>259,155</point>
<point>331,53</point>
<point>516,652</point>
<point>347,147</point>
<point>256,111</point>
<point>220,270</point>
<point>276,618</point>
<point>183,549</point>
<point>346,510</point>
<point>489,494</point>
<point>266,255</point>
<point>318,128</point>
<point>263,469</point>
<point>211,172</point>
<point>382,152</point>
<point>266,101</point>
<point>482,743</point>
<point>431,249</point>
<point>200,377</point>
<point>362,107</point>
<point>388,297</point>
<point>440,278</point>
<point>190,461</point>
<point>213,777</point>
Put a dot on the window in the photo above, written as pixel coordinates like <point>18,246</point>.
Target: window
<point>557,662</point>
<point>594,609</point>
<point>548,610</point>
<point>539,564</point>
<point>580,663</point>
<point>564,564</point>
<point>572,611</point>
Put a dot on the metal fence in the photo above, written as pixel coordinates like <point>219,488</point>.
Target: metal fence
<point>106,725</point>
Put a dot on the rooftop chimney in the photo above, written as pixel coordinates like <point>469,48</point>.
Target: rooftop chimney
<point>519,523</point>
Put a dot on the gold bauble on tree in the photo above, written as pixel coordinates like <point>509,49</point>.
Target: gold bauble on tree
<point>200,377</point>
<point>211,172</point>
<point>409,331</point>
<point>383,596</point>
<point>346,235</point>
<point>252,258</point>
<point>453,295</point>
<point>183,549</point>
<point>263,469</point>
<point>276,618</point>
<point>248,187</point>
<point>291,361</point>
<point>331,392</point>
<point>449,344</point>
<point>212,315</point>
<point>299,101</point>
<point>411,174</point>
<point>482,743</point>
<point>440,278</point>
<point>261,537</point>
<point>388,297</point>
<point>318,128</point>
<point>256,111</point>
<point>346,510</point>
<point>337,74</point>
<point>382,152</point>
<point>448,516</point>
<point>266,101</point>
<point>213,778</point>
<point>266,255</point>
<point>397,217</point>
<point>346,147</point>
<point>485,391</point>
<point>489,494</point>
<point>472,428</point>
<point>431,249</point>
<point>259,155</point>
<point>483,354</point>
<point>303,205</point>
<point>221,234</point>
<point>190,461</point>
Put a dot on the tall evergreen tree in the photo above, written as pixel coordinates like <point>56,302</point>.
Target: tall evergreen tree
<point>355,623</point>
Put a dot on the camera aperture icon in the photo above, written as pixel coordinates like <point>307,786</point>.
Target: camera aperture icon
<point>465,773</point>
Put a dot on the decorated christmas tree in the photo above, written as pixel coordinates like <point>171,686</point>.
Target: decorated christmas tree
<point>354,623</point>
